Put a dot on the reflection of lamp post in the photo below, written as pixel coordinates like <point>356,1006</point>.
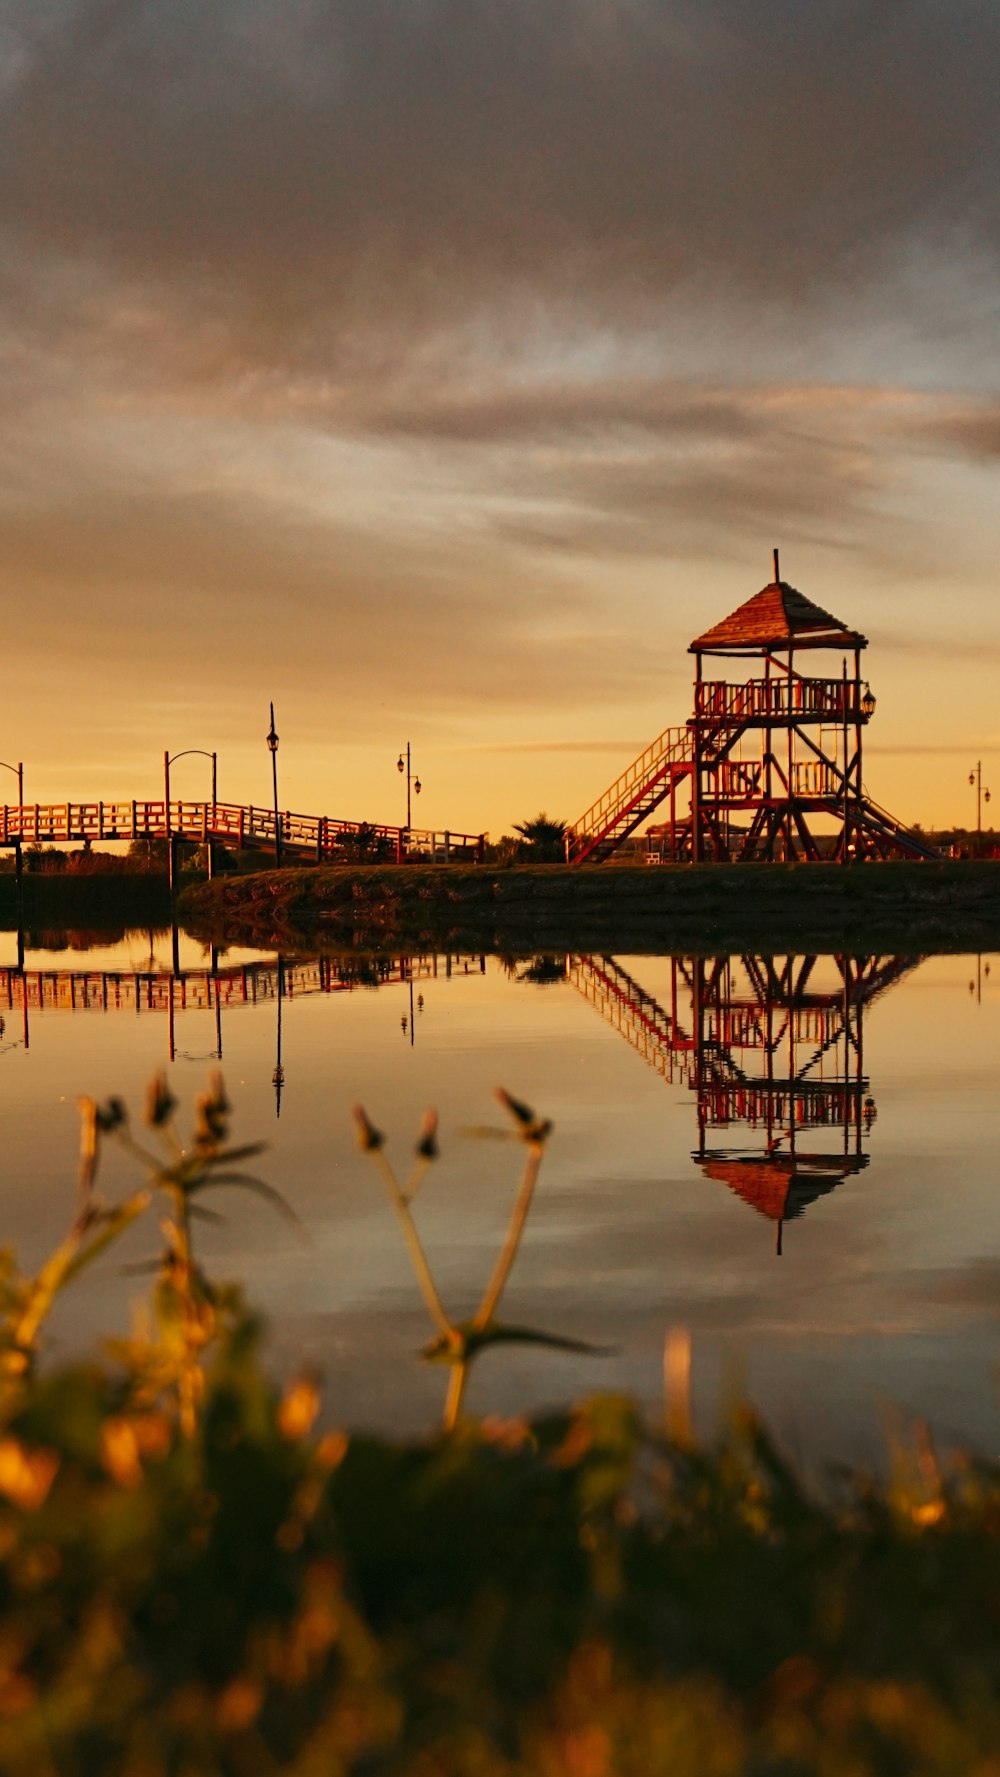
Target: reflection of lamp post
<point>278,1076</point>
<point>18,771</point>
<point>976,777</point>
<point>410,779</point>
<point>411,1024</point>
<point>272,741</point>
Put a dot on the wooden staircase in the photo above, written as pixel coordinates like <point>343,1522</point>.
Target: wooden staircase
<point>633,796</point>
<point>888,837</point>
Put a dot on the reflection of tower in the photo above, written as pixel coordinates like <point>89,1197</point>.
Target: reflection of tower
<point>278,1076</point>
<point>780,1058</point>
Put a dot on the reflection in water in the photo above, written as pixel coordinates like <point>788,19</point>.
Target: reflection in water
<point>645,1222</point>
<point>782,1059</point>
<point>145,988</point>
<point>773,1047</point>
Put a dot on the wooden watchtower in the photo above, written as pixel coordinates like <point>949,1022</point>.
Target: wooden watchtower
<point>769,766</point>
<point>777,756</point>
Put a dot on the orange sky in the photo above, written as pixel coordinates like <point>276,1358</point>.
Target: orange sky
<point>439,369</point>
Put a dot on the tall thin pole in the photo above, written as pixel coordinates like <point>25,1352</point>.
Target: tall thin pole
<point>272,741</point>
<point>408,820</point>
<point>166,790</point>
<point>847,762</point>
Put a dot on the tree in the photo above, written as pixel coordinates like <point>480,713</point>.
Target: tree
<point>543,840</point>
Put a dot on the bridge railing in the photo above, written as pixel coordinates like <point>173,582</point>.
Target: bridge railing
<point>233,824</point>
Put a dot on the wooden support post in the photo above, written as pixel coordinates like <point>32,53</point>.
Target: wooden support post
<point>19,907</point>
<point>847,762</point>
<point>696,774</point>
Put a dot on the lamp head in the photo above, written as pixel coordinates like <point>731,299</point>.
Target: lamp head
<point>867,702</point>
<point>399,763</point>
<point>416,786</point>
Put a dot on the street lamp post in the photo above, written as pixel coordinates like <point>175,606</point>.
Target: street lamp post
<point>976,777</point>
<point>18,771</point>
<point>272,742</point>
<point>171,759</point>
<point>402,765</point>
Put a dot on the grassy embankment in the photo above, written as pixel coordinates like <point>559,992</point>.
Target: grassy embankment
<point>937,906</point>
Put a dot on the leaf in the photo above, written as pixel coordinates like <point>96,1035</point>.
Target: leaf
<point>248,1152</point>
<point>245,1181</point>
<point>116,1222</point>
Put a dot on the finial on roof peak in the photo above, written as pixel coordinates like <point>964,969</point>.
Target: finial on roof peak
<point>777,575</point>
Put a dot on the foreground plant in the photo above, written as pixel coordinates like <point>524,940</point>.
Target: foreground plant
<point>581,1595</point>
<point>458,1343</point>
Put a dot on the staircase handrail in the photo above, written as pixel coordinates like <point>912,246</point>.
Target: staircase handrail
<point>918,840</point>
<point>672,745</point>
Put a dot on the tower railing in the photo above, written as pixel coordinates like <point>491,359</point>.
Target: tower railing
<point>829,700</point>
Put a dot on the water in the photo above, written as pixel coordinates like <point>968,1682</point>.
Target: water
<point>704,1115</point>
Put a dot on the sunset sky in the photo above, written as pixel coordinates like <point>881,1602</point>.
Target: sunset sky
<point>439,368</point>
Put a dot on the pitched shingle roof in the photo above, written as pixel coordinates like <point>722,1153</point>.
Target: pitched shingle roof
<point>777,617</point>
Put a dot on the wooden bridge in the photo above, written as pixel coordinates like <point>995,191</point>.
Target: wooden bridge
<point>240,827</point>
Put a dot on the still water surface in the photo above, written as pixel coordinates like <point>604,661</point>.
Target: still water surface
<point>794,1159</point>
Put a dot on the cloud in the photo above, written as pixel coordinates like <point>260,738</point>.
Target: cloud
<point>971,427</point>
<point>314,181</point>
<point>428,349</point>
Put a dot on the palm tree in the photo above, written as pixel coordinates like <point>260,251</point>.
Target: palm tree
<point>544,841</point>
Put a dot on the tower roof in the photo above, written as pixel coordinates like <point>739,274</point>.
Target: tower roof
<point>778,616</point>
<point>781,1186</point>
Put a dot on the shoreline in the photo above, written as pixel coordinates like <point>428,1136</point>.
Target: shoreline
<point>951,905</point>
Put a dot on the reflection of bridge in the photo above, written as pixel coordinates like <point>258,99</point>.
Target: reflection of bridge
<point>772,1048</point>
<point>241,984</point>
<point>214,989</point>
<point>316,837</point>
